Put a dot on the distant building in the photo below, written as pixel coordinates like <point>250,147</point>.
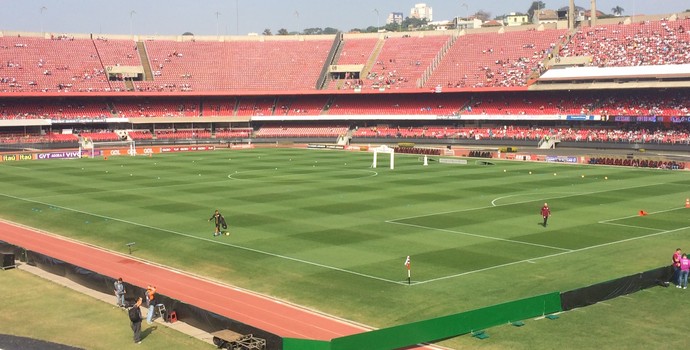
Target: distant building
<point>515,19</point>
<point>464,23</point>
<point>492,23</point>
<point>442,25</point>
<point>421,11</point>
<point>395,17</point>
<point>545,16</point>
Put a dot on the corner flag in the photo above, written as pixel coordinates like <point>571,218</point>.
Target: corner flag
<point>407,264</point>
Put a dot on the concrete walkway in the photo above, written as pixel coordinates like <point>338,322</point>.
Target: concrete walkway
<point>110,299</point>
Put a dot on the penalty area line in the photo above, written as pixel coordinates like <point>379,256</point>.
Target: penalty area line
<point>479,236</point>
<point>553,255</point>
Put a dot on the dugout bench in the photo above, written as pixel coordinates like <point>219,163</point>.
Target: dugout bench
<point>227,339</point>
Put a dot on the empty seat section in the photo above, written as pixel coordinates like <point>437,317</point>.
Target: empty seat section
<point>63,64</point>
<point>239,65</point>
<point>403,60</point>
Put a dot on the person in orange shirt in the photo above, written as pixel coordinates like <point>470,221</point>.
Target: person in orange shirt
<point>150,302</point>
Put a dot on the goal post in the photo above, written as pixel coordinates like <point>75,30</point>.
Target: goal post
<point>95,148</point>
<point>385,150</point>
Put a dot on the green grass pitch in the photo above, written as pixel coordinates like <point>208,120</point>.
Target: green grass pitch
<point>325,230</point>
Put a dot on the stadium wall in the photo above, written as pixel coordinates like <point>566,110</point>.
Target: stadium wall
<point>478,320</point>
<point>439,328</point>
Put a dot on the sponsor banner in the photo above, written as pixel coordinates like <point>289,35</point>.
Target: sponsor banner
<point>16,157</point>
<point>452,161</point>
<point>561,159</point>
<point>579,117</point>
<point>324,146</point>
<point>186,149</point>
<point>242,146</point>
<point>139,151</point>
<point>57,155</point>
<point>78,121</point>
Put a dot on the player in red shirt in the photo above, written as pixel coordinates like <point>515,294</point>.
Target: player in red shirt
<point>545,213</point>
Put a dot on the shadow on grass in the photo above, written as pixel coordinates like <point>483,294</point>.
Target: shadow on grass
<point>145,333</point>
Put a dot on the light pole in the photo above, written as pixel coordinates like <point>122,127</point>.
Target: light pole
<point>237,15</point>
<point>217,15</point>
<point>297,16</point>
<point>377,20</point>
<point>131,22</point>
<point>43,8</point>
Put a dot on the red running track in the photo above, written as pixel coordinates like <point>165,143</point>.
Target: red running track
<point>271,315</point>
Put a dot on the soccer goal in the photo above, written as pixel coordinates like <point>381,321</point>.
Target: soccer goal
<point>386,150</point>
<point>94,149</point>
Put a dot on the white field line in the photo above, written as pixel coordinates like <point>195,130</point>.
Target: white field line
<point>480,236</point>
<point>631,226</point>
<point>136,190</point>
<point>200,277</point>
<point>610,221</point>
<point>556,254</point>
<point>531,260</point>
<point>208,240</point>
<point>521,202</point>
<point>633,216</point>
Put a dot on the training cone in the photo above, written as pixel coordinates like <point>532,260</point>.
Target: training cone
<point>643,213</point>
<point>687,202</point>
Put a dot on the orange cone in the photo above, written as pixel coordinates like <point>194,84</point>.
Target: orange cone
<point>687,202</point>
<point>643,213</point>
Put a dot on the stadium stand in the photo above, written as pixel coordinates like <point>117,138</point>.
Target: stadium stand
<point>138,108</point>
<point>270,65</point>
<point>214,106</point>
<point>32,64</point>
<point>402,61</point>
<point>272,131</point>
<point>210,88</point>
<point>63,109</point>
<point>430,104</point>
<point>659,42</point>
<point>494,59</point>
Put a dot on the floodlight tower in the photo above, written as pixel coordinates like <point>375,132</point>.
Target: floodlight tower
<point>43,8</point>
<point>217,23</point>
<point>571,14</point>
<point>593,14</point>
<point>131,22</point>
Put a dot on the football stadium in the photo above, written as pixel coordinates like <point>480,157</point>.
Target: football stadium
<point>471,185</point>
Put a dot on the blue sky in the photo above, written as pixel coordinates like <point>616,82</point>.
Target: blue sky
<point>205,17</point>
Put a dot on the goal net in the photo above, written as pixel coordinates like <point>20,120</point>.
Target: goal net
<point>385,150</point>
<point>93,149</point>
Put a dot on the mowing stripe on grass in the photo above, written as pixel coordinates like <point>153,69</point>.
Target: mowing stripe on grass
<point>556,254</point>
<point>480,236</point>
<point>522,202</point>
<point>207,240</point>
<point>631,226</point>
<point>634,216</point>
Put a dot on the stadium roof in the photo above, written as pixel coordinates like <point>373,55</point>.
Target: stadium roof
<point>598,73</point>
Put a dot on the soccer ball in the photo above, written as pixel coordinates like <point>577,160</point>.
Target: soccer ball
<point>227,233</point>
